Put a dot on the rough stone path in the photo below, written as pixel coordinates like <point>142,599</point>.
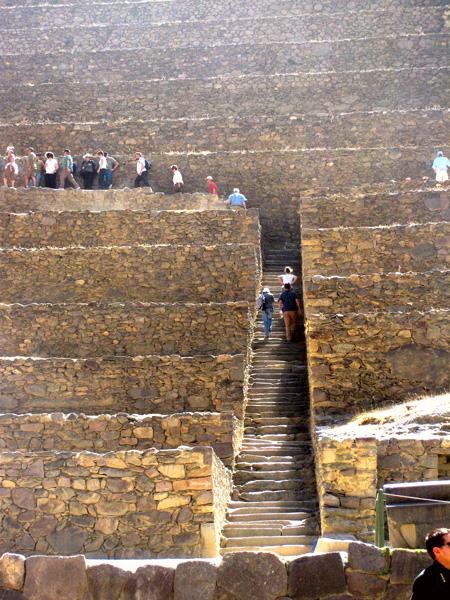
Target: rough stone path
<point>274,500</point>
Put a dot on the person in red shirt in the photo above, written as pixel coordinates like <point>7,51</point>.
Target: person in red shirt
<point>212,187</point>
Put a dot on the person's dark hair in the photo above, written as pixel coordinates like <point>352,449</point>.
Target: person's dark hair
<point>38,155</point>
<point>66,150</point>
<point>287,269</point>
<point>49,154</point>
<point>435,539</point>
<point>100,152</point>
<point>287,286</point>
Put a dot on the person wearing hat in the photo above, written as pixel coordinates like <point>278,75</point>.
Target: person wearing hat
<point>88,169</point>
<point>440,166</point>
<point>141,170</point>
<point>66,171</point>
<point>30,173</point>
<point>177,179</point>
<point>212,187</point>
<point>11,171</point>
<point>267,311</point>
<point>236,200</point>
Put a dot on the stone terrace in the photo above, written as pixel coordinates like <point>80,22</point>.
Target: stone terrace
<point>160,336</point>
<point>376,286</point>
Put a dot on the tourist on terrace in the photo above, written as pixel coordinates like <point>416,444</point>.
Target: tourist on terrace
<point>11,171</point>
<point>267,311</point>
<point>287,277</point>
<point>30,173</point>
<point>111,166</point>
<point>39,170</point>
<point>212,187</point>
<point>88,170</point>
<point>66,171</point>
<point>177,180</point>
<point>101,183</point>
<point>141,169</point>
<point>236,200</point>
<point>51,168</point>
<point>289,309</point>
<point>434,581</point>
<point>440,166</point>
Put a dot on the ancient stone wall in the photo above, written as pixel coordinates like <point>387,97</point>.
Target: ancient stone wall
<point>21,200</point>
<point>122,228</point>
<point>408,203</point>
<point>126,504</point>
<point>130,273</point>
<point>98,329</point>
<point>359,359</point>
<point>378,249</point>
<point>112,433</point>
<point>141,384</point>
<point>351,467</point>
<point>368,572</point>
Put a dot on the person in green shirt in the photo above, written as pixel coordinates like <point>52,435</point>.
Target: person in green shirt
<point>30,173</point>
<point>66,171</point>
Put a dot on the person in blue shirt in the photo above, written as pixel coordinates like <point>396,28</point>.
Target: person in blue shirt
<point>440,166</point>
<point>237,199</point>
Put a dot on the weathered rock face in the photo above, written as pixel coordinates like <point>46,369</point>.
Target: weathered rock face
<point>105,433</point>
<point>128,329</point>
<point>141,385</point>
<point>117,505</point>
<point>130,273</point>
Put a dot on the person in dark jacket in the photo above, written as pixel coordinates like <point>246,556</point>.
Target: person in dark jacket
<point>434,581</point>
<point>289,308</point>
<point>267,311</point>
<point>88,169</point>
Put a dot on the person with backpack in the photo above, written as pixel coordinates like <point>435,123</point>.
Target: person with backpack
<point>67,171</point>
<point>142,167</point>
<point>265,303</point>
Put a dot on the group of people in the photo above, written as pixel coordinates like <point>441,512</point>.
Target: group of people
<point>288,304</point>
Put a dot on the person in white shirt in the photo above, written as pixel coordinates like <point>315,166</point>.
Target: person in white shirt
<point>51,168</point>
<point>101,183</point>
<point>287,277</point>
<point>141,169</point>
<point>177,180</point>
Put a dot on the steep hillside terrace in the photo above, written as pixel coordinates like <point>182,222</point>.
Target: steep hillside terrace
<point>409,442</point>
<point>119,365</point>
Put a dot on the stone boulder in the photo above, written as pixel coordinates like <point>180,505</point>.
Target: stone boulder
<point>307,580</point>
<point>106,582</point>
<point>12,571</point>
<point>56,578</point>
<point>251,576</point>
<point>152,582</point>
<point>195,580</point>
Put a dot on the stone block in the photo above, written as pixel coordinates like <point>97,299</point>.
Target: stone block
<point>152,582</point>
<point>106,581</point>
<point>12,571</point>
<point>407,564</point>
<point>366,558</point>
<point>251,576</point>
<point>365,584</point>
<point>7,594</point>
<point>398,592</point>
<point>69,540</point>
<point>56,578</point>
<point>306,576</point>
<point>195,580</point>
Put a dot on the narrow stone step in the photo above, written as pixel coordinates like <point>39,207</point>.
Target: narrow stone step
<point>283,550</point>
<point>268,541</point>
<point>247,475</point>
<point>252,496</point>
<point>235,530</point>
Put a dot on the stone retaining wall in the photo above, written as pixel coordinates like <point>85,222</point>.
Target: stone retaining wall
<point>105,28</point>
<point>114,433</point>
<point>377,292</point>
<point>279,93</point>
<point>256,132</point>
<point>90,65</point>
<point>351,468</point>
<point>122,228</point>
<point>44,199</point>
<point>131,273</point>
<point>409,202</point>
<point>96,329</point>
<point>366,572</point>
<point>131,504</point>
<point>358,361</point>
<point>365,250</point>
<point>143,384</point>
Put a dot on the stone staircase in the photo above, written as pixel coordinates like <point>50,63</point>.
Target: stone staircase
<point>274,498</point>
